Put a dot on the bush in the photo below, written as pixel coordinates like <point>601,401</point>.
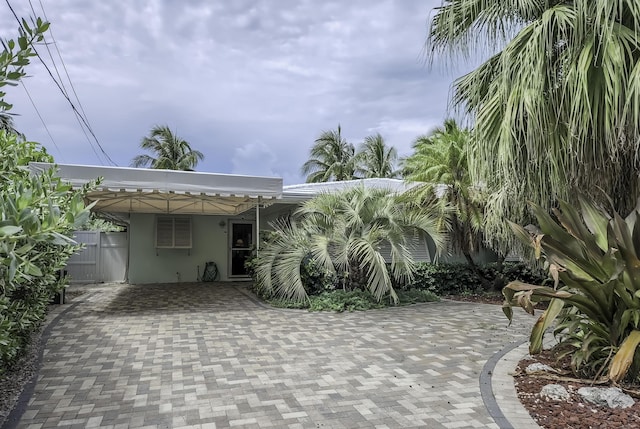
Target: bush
<point>457,279</point>
<point>355,300</point>
<point>596,257</point>
<point>39,214</point>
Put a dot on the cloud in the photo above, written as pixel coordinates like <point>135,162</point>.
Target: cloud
<point>254,158</point>
<point>250,83</point>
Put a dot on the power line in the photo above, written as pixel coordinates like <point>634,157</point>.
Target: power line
<point>42,120</point>
<point>73,107</point>
<point>64,66</point>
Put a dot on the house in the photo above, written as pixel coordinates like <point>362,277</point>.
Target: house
<point>177,221</point>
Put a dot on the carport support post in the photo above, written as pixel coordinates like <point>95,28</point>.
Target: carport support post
<point>258,226</point>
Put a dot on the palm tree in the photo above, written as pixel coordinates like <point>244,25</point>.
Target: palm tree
<point>332,158</point>
<point>343,233</point>
<point>557,108</point>
<point>171,152</point>
<point>375,159</point>
<point>7,124</point>
<point>440,161</point>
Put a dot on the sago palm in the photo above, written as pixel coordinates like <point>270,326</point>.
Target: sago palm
<point>332,158</point>
<point>556,108</point>
<point>343,233</point>
<point>170,151</point>
<point>376,159</point>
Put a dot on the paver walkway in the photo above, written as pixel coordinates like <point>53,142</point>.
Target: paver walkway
<point>207,356</point>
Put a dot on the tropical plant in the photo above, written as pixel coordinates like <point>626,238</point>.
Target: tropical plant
<point>375,159</point>
<point>96,223</point>
<point>7,124</point>
<point>37,215</point>
<point>171,152</point>
<point>440,162</point>
<point>595,259</point>
<point>556,108</point>
<point>332,158</point>
<point>343,233</point>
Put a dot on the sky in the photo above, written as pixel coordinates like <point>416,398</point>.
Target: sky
<point>249,83</point>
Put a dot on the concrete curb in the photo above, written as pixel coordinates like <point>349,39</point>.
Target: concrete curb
<point>499,392</point>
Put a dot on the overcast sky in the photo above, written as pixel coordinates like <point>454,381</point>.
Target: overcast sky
<point>250,83</point>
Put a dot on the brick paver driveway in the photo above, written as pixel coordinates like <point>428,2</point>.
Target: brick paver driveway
<point>208,356</point>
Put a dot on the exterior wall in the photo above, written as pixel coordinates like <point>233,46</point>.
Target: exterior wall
<point>209,243</point>
<point>482,256</point>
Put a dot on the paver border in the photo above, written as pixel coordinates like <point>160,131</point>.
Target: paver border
<point>498,390</point>
<point>13,418</point>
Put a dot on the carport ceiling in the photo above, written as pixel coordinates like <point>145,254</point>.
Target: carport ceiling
<point>136,190</point>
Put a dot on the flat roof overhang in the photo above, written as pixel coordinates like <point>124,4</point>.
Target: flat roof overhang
<point>137,190</point>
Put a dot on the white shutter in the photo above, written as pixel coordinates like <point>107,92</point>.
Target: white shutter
<point>182,232</point>
<point>173,232</point>
<point>164,231</point>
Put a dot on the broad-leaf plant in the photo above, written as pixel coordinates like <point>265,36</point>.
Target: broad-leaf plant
<point>594,259</point>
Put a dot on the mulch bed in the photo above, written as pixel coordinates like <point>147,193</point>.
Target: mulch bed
<point>572,414</point>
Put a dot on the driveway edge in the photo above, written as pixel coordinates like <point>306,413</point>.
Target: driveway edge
<point>498,389</point>
<point>13,419</point>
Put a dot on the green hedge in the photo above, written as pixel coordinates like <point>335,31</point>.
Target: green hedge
<point>455,279</point>
<point>38,215</point>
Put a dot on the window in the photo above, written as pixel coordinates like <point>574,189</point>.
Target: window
<point>173,232</point>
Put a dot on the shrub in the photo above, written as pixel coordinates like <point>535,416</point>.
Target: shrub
<point>37,216</point>
<point>355,300</point>
<point>597,258</point>
<point>457,279</point>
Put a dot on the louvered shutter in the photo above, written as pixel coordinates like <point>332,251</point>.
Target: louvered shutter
<point>182,232</point>
<point>173,232</point>
<point>164,231</point>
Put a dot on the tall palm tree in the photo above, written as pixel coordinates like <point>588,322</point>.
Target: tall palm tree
<point>376,159</point>
<point>171,152</point>
<point>343,233</point>
<point>557,108</point>
<point>332,158</point>
<point>440,161</point>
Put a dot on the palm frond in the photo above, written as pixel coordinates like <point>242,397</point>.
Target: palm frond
<point>556,108</point>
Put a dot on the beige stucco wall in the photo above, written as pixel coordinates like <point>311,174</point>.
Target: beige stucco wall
<point>150,265</point>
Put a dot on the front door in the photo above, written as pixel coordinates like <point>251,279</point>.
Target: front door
<point>241,247</point>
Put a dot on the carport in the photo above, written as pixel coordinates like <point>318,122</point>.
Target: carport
<point>153,196</point>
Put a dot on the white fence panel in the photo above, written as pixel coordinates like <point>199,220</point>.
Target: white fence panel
<point>84,266</point>
<point>113,256</point>
<point>103,259</point>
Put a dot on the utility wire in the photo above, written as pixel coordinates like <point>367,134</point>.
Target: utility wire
<point>81,118</point>
<point>42,120</point>
<point>46,45</point>
<point>64,66</point>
